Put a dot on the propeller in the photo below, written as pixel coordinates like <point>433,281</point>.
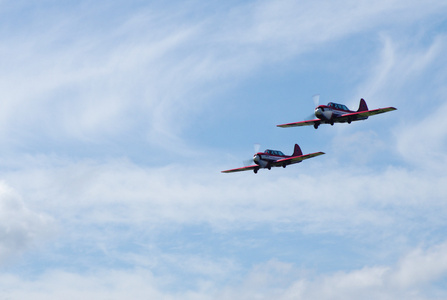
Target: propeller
<point>249,162</point>
<point>316,99</point>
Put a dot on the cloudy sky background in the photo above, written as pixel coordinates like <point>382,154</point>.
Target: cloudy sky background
<point>117,117</point>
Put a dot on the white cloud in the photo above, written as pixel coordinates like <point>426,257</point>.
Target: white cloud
<point>420,268</point>
<point>411,278</point>
<point>404,64</point>
<point>20,227</point>
<point>414,276</point>
<point>424,142</point>
<point>102,285</point>
<point>320,197</point>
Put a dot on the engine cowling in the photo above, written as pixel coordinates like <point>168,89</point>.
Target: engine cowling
<point>259,161</point>
<point>323,114</point>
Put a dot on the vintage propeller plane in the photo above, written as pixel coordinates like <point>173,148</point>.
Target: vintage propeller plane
<point>275,158</point>
<point>338,113</point>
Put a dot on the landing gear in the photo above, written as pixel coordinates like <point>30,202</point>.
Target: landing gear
<point>349,121</point>
<point>332,123</point>
<point>284,166</point>
<point>255,170</point>
<point>316,125</point>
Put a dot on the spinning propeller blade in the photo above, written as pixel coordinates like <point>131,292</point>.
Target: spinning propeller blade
<point>316,99</point>
<point>249,162</point>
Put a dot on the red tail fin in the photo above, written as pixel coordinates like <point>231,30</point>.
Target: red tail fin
<point>297,151</point>
<point>363,106</point>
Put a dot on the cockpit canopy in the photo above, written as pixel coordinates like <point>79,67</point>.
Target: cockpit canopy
<point>274,152</point>
<point>337,106</point>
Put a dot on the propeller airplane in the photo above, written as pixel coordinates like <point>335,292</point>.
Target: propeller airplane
<point>338,113</point>
<point>275,158</point>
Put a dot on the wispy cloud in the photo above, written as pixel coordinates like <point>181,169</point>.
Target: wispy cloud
<point>155,69</point>
<point>98,76</point>
<point>414,276</point>
<point>21,228</point>
<point>121,192</point>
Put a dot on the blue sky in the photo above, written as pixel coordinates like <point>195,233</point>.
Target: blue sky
<point>117,117</point>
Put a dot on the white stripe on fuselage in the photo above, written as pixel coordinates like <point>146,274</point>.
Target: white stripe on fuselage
<point>340,112</point>
<point>271,157</point>
<point>330,113</point>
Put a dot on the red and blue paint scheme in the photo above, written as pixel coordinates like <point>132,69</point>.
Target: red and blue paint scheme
<point>339,113</point>
<point>275,158</point>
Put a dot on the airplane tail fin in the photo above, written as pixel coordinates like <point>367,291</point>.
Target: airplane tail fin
<point>297,151</point>
<point>363,106</point>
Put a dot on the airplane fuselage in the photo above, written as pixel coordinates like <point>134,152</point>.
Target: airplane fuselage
<point>264,159</point>
<point>332,111</point>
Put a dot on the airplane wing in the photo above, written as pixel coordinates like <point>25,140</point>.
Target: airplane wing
<point>301,123</point>
<point>295,159</point>
<point>363,114</point>
<point>247,168</point>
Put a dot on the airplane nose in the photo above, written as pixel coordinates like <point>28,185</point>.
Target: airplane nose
<point>318,113</point>
<point>256,159</point>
